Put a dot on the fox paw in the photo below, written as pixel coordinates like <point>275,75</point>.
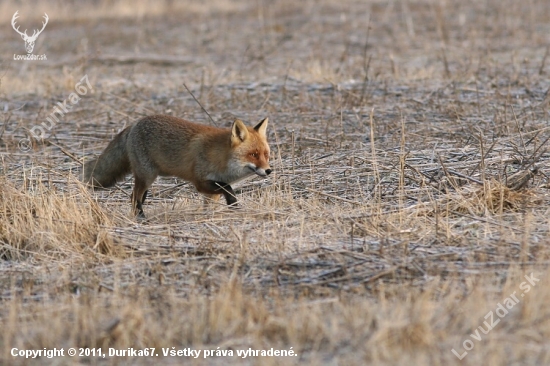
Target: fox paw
<point>234,206</point>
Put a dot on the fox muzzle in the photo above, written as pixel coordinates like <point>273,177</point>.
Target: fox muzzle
<point>262,172</point>
<point>259,171</point>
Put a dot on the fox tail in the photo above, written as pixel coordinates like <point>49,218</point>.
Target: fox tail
<point>111,166</point>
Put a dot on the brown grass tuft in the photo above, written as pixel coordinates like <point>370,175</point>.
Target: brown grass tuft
<point>44,222</point>
<point>494,197</point>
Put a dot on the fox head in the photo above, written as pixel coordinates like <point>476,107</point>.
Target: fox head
<point>250,147</point>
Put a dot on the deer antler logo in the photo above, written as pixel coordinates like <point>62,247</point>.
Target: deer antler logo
<point>29,41</point>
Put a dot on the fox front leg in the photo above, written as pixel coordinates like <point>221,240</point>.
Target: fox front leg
<point>225,189</point>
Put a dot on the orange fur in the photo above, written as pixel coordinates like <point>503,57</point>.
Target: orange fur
<point>210,158</point>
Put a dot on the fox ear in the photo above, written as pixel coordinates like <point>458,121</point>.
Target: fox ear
<point>262,127</point>
<point>239,132</point>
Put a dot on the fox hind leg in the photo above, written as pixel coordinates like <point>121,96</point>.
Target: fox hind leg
<point>139,194</point>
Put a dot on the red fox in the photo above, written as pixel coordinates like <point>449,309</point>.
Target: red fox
<point>211,158</point>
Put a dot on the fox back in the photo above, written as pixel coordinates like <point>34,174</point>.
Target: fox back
<point>169,146</point>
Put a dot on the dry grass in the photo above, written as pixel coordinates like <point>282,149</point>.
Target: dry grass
<point>409,199</point>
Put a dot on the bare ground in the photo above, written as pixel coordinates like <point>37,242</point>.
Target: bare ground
<point>409,200</point>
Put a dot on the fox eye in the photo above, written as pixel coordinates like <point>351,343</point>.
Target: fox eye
<point>255,155</point>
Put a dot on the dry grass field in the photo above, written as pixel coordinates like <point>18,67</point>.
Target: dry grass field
<point>409,199</point>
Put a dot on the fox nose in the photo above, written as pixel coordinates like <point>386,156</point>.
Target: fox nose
<point>268,171</point>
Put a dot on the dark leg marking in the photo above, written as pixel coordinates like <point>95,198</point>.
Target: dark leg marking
<point>144,196</point>
<point>226,190</point>
<point>140,213</point>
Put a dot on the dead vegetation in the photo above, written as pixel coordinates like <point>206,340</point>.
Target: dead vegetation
<point>409,197</point>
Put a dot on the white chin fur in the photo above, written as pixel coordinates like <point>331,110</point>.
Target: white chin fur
<point>235,173</point>
<point>260,172</point>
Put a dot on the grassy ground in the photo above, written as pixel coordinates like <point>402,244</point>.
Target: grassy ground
<point>408,202</point>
